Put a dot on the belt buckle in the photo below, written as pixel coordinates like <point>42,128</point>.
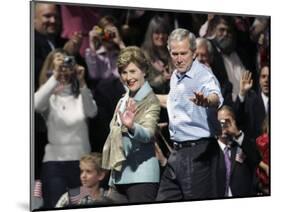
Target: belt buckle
<point>177,145</point>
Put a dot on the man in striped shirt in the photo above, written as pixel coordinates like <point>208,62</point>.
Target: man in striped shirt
<point>192,102</point>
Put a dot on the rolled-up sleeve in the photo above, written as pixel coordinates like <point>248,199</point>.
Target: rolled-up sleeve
<point>89,104</point>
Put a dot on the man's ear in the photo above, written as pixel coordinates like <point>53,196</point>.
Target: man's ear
<point>193,55</point>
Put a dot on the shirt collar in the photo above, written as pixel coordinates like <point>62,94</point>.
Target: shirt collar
<point>222,145</point>
<point>264,97</point>
<point>143,91</point>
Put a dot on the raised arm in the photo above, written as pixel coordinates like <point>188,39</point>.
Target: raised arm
<point>143,129</point>
<point>246,83</point>
<point>42,96</point>
<point>212,100</point>
<point>208,94</point>
<point>89,104</point>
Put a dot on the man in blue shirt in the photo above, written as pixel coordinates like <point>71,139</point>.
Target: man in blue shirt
<point>192,102</point>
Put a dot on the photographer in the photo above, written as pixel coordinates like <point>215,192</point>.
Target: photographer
<point>105,44</point>
<point>237,158</point>
<point>65,102</point>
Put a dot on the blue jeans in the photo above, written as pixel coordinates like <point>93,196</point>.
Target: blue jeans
<point>57,178</point>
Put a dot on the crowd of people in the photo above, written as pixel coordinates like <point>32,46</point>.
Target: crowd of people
<point>135,106</point>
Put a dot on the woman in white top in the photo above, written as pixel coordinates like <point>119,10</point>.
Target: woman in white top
<point>65,102</point>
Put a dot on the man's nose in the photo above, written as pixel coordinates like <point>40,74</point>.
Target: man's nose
<point>225,33</point>
<point>52,19</point>
<point>179,58</point>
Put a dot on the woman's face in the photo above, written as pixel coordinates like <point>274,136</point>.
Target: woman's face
<point>65,71</point>
<point>159,39</point>
<point>133,78</point>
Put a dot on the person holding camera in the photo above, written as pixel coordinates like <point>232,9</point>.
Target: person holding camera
<point>236,160</point>
<point>65,102</point>
<point>105,43</point>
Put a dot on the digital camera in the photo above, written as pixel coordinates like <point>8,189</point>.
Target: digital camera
<point>69,61</point>
<point>108,35</point>
<point>105,35</point>
<point>224,123</point>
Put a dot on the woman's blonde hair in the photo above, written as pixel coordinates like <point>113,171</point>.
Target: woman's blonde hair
<point>132,54</point>
<point>48,66</point>
<point>47,71</point>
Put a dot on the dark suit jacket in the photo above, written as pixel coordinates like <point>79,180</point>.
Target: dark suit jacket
<point>242,174</point>
<point>250,114</point>
<point>219,71</point>
<point>41,50</point>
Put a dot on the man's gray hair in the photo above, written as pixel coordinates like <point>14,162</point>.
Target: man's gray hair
<point>207,43</point>
<point>181,34</point>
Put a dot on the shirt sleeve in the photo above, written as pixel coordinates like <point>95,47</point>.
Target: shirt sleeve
<point>42,96</point>
<point>89,104</point>
<point>211,85</point>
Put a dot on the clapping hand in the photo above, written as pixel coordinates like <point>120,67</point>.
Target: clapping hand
<point>128,116</point>
<point>246,83</point>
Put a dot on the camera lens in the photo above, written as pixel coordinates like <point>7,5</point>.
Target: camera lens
<point>69,61</point>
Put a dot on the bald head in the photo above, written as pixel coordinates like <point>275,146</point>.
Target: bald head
<point>46,19</point>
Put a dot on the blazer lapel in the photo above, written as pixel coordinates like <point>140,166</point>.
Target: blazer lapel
<point>232,159</point>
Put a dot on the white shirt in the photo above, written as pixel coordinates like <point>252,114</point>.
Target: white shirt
<point>234,69</point>
<point>223,146</point>
<point>66,122</point>
<point>265,101</point>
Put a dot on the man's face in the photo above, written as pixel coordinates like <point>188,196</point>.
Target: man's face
<point>226,120</point>
<point>264,80</point>
<point>46,21</point>
<point>181,54</point>
<point>224,37</point>
<point>202,55</point>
